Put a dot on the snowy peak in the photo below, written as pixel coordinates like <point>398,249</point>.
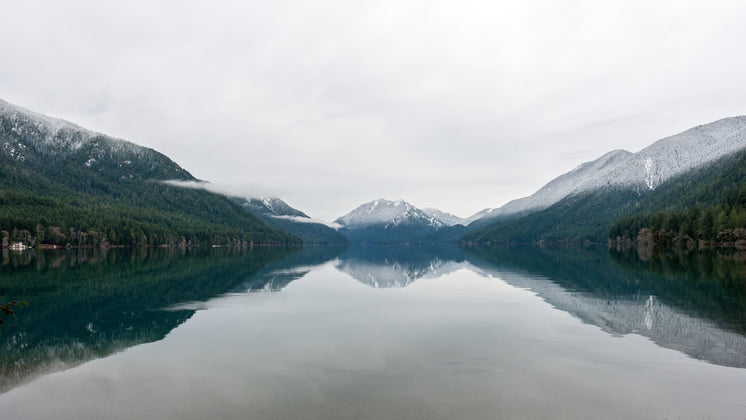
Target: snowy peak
<point>561,186</point>
<point>640,171</point>
<point>28,135</point>
<point>271,206</point>
<point>53,135</point>
<point>447,219</point>
<point>677,154</point>
<point>388,213</point>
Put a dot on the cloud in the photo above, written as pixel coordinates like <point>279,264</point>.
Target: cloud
<point>455,105</point>
<point>247,192</point>
<point>240,191</point>
<point>299,219</point>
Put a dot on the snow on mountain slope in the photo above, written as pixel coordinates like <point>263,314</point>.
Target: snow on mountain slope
<point>448,219</point>
<point>641,171</point>
<point>272,206</point>
<point>28,136</point>
<point>275,208</point>
<point>49,135</point>
<point>562,186</point>
<point>388,213</point>
<point>675,155</point>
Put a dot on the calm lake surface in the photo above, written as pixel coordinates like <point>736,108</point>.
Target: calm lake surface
<point>373,333</point>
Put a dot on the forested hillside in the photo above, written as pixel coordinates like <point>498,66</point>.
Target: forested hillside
<point>61,184</point>
<point>591,216</point>
<point>720,225</point>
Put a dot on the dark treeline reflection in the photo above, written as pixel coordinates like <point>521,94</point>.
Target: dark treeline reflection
<point>695,302</point>
<point>710,283</point>
<point>86,304</point>
<point>701,283</point>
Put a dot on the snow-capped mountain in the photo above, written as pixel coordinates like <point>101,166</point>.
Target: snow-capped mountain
<point>390,214</point>
<point>384,220</point>
<point>447,218</point>
<point>277,213</point>
<point>450,219</point>
<point>29,137</point>
<point>107,191</point>
<point>640,171</point>
<point>271,206</point>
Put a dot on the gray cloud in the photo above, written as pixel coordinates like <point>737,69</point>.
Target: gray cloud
<point>456,105</point>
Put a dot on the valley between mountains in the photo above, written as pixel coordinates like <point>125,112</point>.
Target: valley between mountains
<point>62,185</point>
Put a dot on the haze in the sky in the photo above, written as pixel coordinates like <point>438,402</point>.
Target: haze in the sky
<point>458,105</point>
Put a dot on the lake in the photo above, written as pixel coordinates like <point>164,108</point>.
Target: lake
<point>399,332</point>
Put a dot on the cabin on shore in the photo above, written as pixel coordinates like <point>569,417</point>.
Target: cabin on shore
<point>17,246</point>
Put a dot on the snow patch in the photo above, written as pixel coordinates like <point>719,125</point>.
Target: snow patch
<point>649,173</point>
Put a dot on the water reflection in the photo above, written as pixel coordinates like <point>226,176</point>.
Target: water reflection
<point>87,304</point>
<point>399,266</point>
<point>694,303</point>
<point>679,307</point>
<point>491,333</point>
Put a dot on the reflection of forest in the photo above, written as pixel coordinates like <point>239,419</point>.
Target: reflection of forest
<point>694,303</point>
<point>86,304</point>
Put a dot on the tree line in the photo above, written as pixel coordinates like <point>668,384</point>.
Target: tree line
<point>719,225</point>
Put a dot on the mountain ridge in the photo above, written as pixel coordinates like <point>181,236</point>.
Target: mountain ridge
<point>395,221</point>
<point>644,170</point>
<point>64,185</point>
<point>590,215</point>
<point>277,213</point>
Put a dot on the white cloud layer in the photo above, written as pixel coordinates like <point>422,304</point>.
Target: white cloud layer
<point>299,219</point>
<point>457,105</point>
<point>240,191</point>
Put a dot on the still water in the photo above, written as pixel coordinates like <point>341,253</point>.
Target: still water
<point>373,333</point>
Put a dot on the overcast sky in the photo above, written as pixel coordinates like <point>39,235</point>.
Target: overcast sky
<point>458,105</point>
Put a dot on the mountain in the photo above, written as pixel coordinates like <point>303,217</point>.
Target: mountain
<point>447,219</point>
<point>61,184</point>
<point>271,206</point>
<point>707,159</point>
<point>640,172</point>
<point>452,220</point>
<point>278,214</point>
<point>557,189</point>
<point>707,206</point>
<point>395,221</point>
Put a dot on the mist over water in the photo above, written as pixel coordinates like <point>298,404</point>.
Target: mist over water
<point>376,332</point>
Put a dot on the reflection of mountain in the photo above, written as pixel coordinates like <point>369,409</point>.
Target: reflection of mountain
<point>398,266</point>
<point>702,317</point>
<point>86,305</point>
<point>277,275</point>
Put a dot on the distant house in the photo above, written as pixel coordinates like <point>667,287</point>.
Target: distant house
<point>17,246</point>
